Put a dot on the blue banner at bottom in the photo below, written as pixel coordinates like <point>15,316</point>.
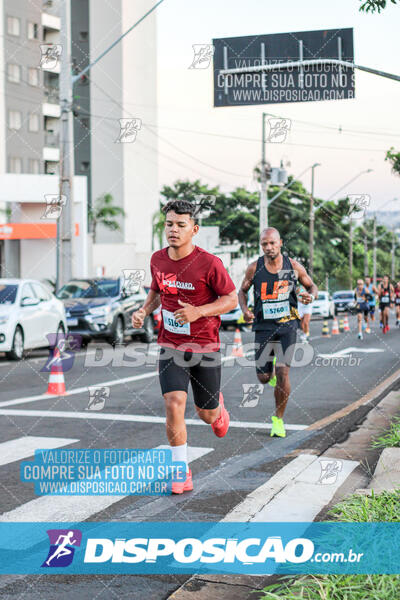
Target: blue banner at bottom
<point>186,548</point>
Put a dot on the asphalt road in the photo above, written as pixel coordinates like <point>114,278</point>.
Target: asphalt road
<point>225,470</point>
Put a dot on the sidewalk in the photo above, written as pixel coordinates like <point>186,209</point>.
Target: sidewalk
<point>368,468</point>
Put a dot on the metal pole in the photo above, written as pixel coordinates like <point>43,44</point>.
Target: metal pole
<point>65,255</point>
<point>311,238</point>
<point>365,254</point>
<point>374,252</point>
<point>393,253</point>
<point>351,254</point>
<point>263,193</point>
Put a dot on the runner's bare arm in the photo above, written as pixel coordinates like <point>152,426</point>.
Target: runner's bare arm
<point>189,313</point>
<point>243,292</point>
<point>305,281</point>
<point>151,303</point>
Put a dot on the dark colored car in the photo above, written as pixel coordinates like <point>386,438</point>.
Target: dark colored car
<point>101,308</point>
<point>343,301</point>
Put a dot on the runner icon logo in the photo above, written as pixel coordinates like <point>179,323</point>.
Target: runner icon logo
<point>98,397</point>
<point>61,551</point>
<point>251,394</point>
<point>330,470</point>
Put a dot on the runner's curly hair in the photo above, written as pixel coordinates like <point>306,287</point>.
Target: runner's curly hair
<point>182,207</point>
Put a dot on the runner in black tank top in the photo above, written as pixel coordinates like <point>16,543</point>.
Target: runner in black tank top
<point>275,319</point>
<point>386,297</point>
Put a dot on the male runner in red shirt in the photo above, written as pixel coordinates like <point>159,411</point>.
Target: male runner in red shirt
<point>194,288</point>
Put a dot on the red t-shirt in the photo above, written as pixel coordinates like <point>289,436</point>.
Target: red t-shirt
<point>199,278</point>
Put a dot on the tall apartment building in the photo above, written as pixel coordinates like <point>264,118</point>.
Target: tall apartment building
<point>121,86</point>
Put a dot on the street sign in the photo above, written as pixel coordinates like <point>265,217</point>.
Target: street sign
<point>262,68</point>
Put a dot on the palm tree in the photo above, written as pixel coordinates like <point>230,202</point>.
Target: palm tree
<point>102,213</point>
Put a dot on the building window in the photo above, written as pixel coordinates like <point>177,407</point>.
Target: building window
<point>34,166</point>
<point>13,26</point>
<point>14,119</point>
<point>33,122</point>
<point>83,36</point>
<point>15,164</point>
<point>14,73</point>
<point>33,31</point>
<point>85,165</point>
<point>33,76</point>
<point>85,122</point>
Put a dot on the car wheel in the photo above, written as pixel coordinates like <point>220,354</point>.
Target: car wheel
<point>118,335</point>
<point>17,349</point>
<point>148,335</point>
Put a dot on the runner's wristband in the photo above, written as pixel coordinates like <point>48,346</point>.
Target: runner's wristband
<point>312,298</point>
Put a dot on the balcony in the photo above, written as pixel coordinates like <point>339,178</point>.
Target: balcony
<point>51,22</point>
<point>52,95</point>
<point>51,139</point>
<point>51,153</point>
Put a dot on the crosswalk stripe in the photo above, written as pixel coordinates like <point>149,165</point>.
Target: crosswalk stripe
<point>294,493</point>
<point>67,414</point>
<point>73,508</point>
<point>24,447</point>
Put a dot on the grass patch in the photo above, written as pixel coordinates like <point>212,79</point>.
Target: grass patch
<point>335,587</point>
<point>363,509</point>
<point>360,509</point>
<point>389,439</point>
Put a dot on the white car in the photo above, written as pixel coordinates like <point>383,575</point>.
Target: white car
<point>323,306</point>
<point>28,313</point>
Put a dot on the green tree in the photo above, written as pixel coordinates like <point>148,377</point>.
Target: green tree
<point>103,213</point>
<point>394,159</point>
<point>374,5</point>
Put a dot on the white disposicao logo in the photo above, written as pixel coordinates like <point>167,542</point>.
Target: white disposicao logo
<point>128,130</point>
<point>278,130</point>
<point>251,394</point>
<point>190,550</point>
<point>203,54</point>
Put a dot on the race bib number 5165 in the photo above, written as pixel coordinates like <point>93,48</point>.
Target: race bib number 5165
<point>172,325</point>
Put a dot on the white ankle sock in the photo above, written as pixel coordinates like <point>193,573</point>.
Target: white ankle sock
<point>179,453</point>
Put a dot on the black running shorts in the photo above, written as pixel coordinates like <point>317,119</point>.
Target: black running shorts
<point>280,342</point>
<point>203,370</point>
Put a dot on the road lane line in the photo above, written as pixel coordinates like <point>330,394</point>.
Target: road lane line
<point>132,418</point>
<point>24,447</point>
<point>293,494</point>
<point>72,508</point>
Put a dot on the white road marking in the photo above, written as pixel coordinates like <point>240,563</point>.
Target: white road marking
<point>71,508</point>
<point>24,447</point>
<point>346,351</point>
<point>132,418</point>
<point>292,494</point>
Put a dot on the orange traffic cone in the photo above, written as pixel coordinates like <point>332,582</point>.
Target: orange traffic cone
<point>237,344</point>
<point>335,327</point>
<point>346,324</point>
<point>56,385</point>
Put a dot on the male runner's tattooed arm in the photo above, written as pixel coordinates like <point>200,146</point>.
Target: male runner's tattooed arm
<point>243,292</point>
<point>305,281</point>
<point>189,313</point>
<point>151,303</point>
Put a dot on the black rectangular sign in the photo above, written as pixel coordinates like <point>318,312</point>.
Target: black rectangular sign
<point>287,83</point>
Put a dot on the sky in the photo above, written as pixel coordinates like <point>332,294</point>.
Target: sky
<point>345,136</point>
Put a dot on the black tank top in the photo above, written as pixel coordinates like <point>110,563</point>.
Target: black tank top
<point>275,299</point>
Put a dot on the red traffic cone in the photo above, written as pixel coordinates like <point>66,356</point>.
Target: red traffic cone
<point>56,385</point>
<point>346,324</point>
<point>335,327</point>
<point>237,344</point>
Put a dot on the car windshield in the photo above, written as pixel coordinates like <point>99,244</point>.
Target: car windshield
<point>343,295</point>
<point>105,288</point>
<point>8,293</point>
<point>322,296</point>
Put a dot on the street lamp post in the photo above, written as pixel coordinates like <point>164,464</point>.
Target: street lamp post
<point>263,193</point>
<point>311,239</point>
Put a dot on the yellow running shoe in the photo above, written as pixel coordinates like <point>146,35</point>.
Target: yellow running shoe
<point>278,428</point>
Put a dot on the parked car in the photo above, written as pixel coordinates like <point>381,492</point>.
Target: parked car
<point>323,306</point>
<point>343,301</point>
<point>101,308</point>
<point>156,314</point>
<point>28,314</point>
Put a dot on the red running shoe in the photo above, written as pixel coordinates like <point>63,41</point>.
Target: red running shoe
<point>178,487</point>
<point>221,425</point>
